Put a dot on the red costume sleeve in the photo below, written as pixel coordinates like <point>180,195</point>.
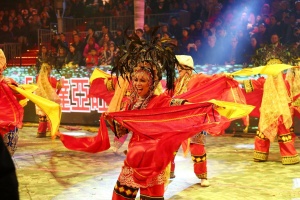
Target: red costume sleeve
<point>99,89</point>
<point>11,111</point>
<point>253,93</point>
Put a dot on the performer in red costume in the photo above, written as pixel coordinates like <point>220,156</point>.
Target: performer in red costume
<point>158,123</point>
<point>195,144</point>
<point>143,63</point>
<point>48,88</point>
<point>11,114</point>
<point>206,87</point>
<point>275,119</point>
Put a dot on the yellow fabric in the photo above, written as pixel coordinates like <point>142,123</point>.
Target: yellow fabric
<point>52,109</point>
<point>232,110</point>
<point>121,88</point>
<point>159,89</point>
<point>167,176</point>
<point>187,150</point>
<point>293,78</point>
<point>30,88</point>
<point>275,103</point>
<point>98,73</point>
<point>45,88</point>
<point>272,69</point>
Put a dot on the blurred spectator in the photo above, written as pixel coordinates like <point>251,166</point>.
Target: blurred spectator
<point>275,40</point>
<point>62,42</point>
<point>77,9</point>
<point>90,34</point>
<point>90,7</point>
<point>119,37</point>
<point>34,26</point>
<point>6,36</point>
<point>90,45</point>
<point>61,58</point>
<point>105,39</point>
<point>275,26</point>
<point>147,32</point>
<point>233,54</point>
<point>160,7</point>
<point>166,36</point>
<point>73,58</point>
<point>185,42</point>
<point>195,11</point>
<point>75,32</point>
<point>198,28</point>
<point>92,58</point>
<point>164,28</point>
<point>174,28</point>
<point>105,31</point>
<point>212,54</point>
<point>54,42</point>
<point>25,16</point>
<point>196,51</point>
<point>296,10</point>
<point>262,36</point>
<point>192,31</point>
<point>105,56</point>
<point>140,33</point>
<point>283,10</point>
<point>44,56</point>
<point>45,20</point>
<point>265,10</point>
<point>79,46</point>
<point>101,12</point>
<point>20,33</point>
<point>250,50</point>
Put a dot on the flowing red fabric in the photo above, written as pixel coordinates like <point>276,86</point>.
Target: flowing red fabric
<point>98,89</point>
<point>220,88</point>
<point>95,144</point>
<point>12,112</point>
<point>162,129</point>
<point>254,98</point>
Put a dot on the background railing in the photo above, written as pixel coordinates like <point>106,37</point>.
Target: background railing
<point>13,52</point>
<point>70,23</point>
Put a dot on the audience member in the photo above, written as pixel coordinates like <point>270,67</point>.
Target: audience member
<point>92,58</point>
<point>119,38</point>
<point>174,28</point>
<point>44,56</point>
<point>90,45</point>
<point>20,33</point>
<point>250,50</point>
<point>6,36</point>
<point>60,58</point>
<point>185,42</point>
<point>73,58</point>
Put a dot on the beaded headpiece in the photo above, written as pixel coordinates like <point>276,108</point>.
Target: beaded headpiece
<point>157,55</point>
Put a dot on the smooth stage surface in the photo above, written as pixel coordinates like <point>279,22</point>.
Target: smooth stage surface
<point>47,170</point>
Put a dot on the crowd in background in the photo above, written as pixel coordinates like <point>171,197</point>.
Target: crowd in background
<point>218,32</point>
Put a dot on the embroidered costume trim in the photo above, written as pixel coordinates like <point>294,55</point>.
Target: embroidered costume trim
<point>248,86</point>
<point>126,178</point>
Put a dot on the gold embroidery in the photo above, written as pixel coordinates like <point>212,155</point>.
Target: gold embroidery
<point>260,156</point>
<point>109,85</point>
<point>248,86</point>
<point>290,160</point>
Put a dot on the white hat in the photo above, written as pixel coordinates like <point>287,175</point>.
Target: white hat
<point>185,60</point>
<point>2,59</point>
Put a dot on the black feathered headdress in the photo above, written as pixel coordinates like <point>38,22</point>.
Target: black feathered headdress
<point>156,54</point>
